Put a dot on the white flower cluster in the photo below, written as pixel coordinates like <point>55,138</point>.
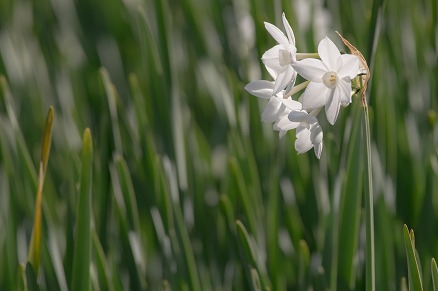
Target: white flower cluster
<point>329,85</point>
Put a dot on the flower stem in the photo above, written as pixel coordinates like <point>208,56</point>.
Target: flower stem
<point>301,56</point>
<point>296,89</point>
<point>369,211</point>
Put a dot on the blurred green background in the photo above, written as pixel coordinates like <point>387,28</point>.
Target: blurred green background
<point>180,152</point>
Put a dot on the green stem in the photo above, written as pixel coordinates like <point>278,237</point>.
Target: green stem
<point>369,204</point>
<point>301,56</point>
<point>296,89</point>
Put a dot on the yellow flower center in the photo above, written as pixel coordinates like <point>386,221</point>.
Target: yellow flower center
<point>329,79</point>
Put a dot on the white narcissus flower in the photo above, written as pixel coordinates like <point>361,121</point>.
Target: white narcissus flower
<point>278,59</point>
<point>274,108</point>
<point>288,114</point>
<point>330,79</point>
<point>309,132</point>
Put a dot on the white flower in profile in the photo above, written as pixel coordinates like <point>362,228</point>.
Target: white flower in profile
<point>330,79</point>
<point>278,59</point>
<point>274,108</point>
<point>288,114</point>
<point>309,132</point>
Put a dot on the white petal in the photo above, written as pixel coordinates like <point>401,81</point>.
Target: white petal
<point>284,58</point>
<point>271,57</point>
<point>273,110</point>
<point>328,53</point>
<point>277,34</point>
<point>345,90</point>
<point>292,104</point>
<point>350,66</point>
<point>311,69</point>
<point>318,150</point>
<point>292,82</point>
<point>314,96</point>
<point>260,88</point>
<point>332,105</point>
<point>303,142</point>
<point>301,116</point>
<point>316,137</point>
<point>289,31</point>
<point>316,134</point>
<point>272,72</point>
<point>284,124</point>
<point>283,79</point>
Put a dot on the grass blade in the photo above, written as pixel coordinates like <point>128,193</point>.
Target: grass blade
<point>103,271</point>
<point>250,256</point>
<point>111,93</point>
<point>82,249</point>
<point>304,261</point>
<point>31,278</point>
<point>434,271</point>
<point>351,202</point>
<point>244,193</point>
<point>35,241</point>
<point>415,283</point>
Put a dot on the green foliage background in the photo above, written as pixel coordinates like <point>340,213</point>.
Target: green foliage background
<point>180,153</point>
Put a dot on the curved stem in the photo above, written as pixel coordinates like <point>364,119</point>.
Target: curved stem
<point>369,211</point>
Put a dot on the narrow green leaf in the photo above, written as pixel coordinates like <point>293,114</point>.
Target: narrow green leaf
<point>403,284</point>
<point>129,221</point>
<point>244,194</point>
<point>351,201</point>
<point>304,261</point>
<point>187,249</point>
<point>35,242</point>
<point>111,94</point>
<point>82,249</point>
<point>272,228</point>
<point>47,138</point>
<point>318,279</point>
<point>255,279</point>
<point>106,281</point>
<point>250,256</point>
<point>31,278</point>
<point>165,286</point>
<point>26,160</point>
<point>434,272</point>
<point>414,278</point>
<point>21,277</point>
<point>227,211</point>
<point>54,263</point>
<point>126,188</point>
<point>184,243</point>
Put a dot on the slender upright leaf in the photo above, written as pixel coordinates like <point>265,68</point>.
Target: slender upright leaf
<point>414,278</point>
<point>35,242</point>
<point>434,271</point>
<point>82,249</point>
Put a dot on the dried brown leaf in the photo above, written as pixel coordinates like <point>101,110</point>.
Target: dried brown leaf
<point>363,64</point>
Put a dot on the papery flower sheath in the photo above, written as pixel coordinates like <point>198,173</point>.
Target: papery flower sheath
<point>330,79</point>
